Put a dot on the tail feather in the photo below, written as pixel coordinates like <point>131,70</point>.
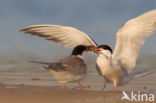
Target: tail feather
<point>46,68</point>
<point>45,63</point>
<point>137,75</point>
<point>142,73</point>
<point>53,66</point>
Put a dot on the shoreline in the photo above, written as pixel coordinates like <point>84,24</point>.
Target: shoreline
<point>42,94</point>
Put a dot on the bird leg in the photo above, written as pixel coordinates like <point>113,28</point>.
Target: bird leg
<point>113,94</point>
<point>115,84</point>
<point>114,90</point>
<point>64,87</point>
<point>81,86</point>
<point>105,84</point>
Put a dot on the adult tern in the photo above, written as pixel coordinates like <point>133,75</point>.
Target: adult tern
<point>116,67</point>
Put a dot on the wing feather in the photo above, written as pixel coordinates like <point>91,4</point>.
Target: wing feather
<point>66,36</point>
<point>131,37</point>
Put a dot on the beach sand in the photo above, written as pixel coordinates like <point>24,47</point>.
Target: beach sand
<point>42,94</point>
<point>24,82</point>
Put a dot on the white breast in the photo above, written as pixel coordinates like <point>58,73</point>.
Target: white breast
<point>103,63</point>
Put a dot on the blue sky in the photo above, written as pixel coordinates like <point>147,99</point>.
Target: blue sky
<point>100,19</point>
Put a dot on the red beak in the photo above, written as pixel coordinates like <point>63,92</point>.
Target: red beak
<point>95,48</point>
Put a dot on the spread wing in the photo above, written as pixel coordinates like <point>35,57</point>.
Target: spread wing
<point>66,36</point>
<point>131,37</point>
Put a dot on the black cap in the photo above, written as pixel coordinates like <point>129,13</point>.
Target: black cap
<point>78,50</point>
<point>105,47</point>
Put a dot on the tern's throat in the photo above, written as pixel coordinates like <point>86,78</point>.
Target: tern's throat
<point>104,58</point>
<point>105,54</point>
<point>104,62</point>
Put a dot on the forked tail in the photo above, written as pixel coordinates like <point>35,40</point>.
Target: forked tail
<point>142,73</point>
<point>137,75</point>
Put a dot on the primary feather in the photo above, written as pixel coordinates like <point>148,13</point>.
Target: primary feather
<point>66,36</point>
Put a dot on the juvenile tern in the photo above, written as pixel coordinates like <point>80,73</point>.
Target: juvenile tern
<point>71,68</point>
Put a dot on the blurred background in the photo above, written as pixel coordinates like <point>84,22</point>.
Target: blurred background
<point>100,19</point>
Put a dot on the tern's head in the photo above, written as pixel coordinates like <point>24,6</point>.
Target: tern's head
<point>78,50</point>
<point>105,47</point>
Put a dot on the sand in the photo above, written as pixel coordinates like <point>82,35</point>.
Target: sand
<point>40,94</point>
<point>40,87</point>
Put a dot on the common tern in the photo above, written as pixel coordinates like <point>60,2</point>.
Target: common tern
<point>69,69</point>
<point>114,67</point>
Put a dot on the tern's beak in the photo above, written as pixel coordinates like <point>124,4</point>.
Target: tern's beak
<point>94,49</point>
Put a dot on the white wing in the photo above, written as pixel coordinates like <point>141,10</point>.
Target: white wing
<point>67,36</point>
<point>131,37</point>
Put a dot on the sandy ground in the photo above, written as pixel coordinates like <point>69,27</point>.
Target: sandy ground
<point>37,94</point>
<point>40,87</point>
